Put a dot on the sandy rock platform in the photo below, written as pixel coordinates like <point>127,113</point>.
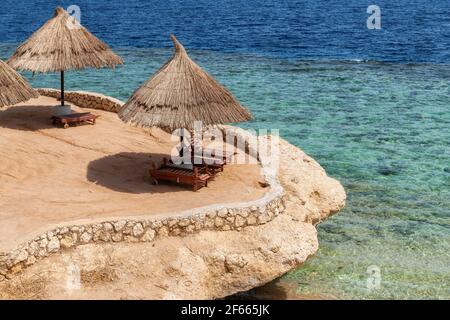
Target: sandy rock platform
<point>51,176</point>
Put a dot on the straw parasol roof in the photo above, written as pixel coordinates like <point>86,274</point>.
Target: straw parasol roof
<point>62,44</point>
<point>179,94</point>
<point>13,88</point>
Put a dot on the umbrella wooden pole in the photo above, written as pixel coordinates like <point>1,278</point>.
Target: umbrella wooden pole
<point>181,143</point>
<point>62,88</point>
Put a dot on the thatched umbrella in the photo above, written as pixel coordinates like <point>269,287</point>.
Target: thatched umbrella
<point>179,94</point>
<point>13,88</point>
<point>62,44</point>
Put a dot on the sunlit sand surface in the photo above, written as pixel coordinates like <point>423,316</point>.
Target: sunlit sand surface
<point>50,175</point>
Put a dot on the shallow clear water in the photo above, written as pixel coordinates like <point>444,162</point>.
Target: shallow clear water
<point>381,128</point>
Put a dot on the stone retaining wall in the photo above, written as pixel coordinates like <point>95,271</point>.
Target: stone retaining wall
<point>127,230</point>
<point>219,217</point>
<point>85,99</point>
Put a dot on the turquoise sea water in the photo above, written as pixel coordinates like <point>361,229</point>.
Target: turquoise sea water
<point>382,129</point>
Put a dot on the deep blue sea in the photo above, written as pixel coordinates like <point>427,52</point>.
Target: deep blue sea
<point>372,106</point>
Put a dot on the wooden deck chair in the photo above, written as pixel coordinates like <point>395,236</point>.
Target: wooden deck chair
<point>182,174</point>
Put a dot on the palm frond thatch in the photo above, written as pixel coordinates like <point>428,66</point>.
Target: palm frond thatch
<point>179,94</point>
<point>13,88</point>
<point>62,44</point>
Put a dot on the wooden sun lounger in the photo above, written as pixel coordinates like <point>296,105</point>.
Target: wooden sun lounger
<point>226,157</point>
<point>189,167</point>
<point>203,166</point>
<point>66,120</point>
<point>208,164</point>
<point>191,175</point>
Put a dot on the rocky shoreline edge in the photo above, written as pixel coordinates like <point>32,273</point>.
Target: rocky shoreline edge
<point>244,245</point>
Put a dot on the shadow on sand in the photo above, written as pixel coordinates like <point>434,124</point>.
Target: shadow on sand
<point>128,172</point>
<point>27,118</point>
